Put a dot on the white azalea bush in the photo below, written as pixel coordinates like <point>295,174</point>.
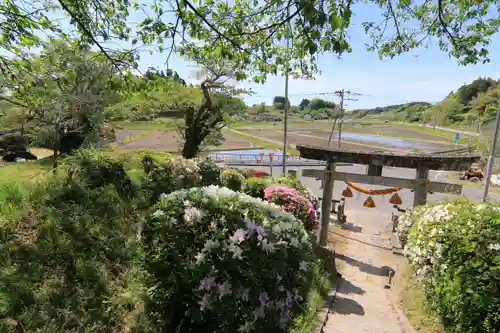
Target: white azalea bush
<point>406,221</point>
<point>454,249</point>
<point>223,261</point>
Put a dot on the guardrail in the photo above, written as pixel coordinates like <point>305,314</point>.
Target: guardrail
<point>222,156</point>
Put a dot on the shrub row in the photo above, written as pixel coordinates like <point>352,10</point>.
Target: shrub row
<point>166,174</point>
<point>207,257</point>
<point>454,248</point>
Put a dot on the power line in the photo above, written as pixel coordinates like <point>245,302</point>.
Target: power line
<point>342,94</point>
<point>312,94</point>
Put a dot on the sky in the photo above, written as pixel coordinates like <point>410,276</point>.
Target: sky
<point>421,75</point>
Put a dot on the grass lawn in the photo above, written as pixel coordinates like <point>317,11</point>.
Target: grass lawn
<point>449,136</point>
<point>242,123</point>
<point>16,181</point>
<point>416,307</point>
<point>265,144</point>
<point>24,171</point>
<point>324,272</point>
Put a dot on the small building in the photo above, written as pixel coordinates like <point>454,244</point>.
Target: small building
<point>307,116</point>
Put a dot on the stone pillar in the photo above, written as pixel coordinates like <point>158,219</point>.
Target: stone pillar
<point>374,170</point>
<point>421,188</point>
<point>326,203</point>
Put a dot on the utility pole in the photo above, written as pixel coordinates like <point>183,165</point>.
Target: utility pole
<point>489,168</point>
<point>287,103</point>
<point>341,93</point>
<point>331,133</point>
<point>341,117</point>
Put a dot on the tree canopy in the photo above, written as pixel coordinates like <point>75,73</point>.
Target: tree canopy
<point>250,34</point>
<point>241,40</point>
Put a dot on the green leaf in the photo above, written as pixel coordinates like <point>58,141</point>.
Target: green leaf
<point>335,21</point>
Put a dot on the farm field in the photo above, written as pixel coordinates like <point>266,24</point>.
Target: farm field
<point>169,141</point>
<point>140,136</point>
<point>360,141</point>
<point>389,129</point>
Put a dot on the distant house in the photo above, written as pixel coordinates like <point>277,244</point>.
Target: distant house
<point>307,116</point>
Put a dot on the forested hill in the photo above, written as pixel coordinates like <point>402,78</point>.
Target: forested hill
<point>394,108</point>
<point>471,103</point>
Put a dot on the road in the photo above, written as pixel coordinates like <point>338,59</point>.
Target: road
<point>450,130</point>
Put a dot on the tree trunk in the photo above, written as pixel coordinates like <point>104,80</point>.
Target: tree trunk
<point>56,147</point>
<point>191,146</point>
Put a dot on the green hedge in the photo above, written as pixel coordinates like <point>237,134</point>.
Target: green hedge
<point>232,179</point>
<point>68,255</point>
<point>455,249</point>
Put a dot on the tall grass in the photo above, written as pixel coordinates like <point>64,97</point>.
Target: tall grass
<point>12,196</point>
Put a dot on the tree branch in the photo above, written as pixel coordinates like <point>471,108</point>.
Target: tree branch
<point>443,23</point>
<point>88,33</point>
<point>11,101</point>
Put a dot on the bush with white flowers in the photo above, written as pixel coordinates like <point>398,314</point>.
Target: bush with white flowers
<point>407,220</point>
<point>454,248</point>
<point>223,261</point>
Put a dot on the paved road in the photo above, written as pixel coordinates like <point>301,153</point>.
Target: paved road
<point>451,130</point>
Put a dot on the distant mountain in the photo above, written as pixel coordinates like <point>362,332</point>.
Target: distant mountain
<point>472,103</point>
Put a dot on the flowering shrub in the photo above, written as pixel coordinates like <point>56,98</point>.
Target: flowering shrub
<point>223,261</point>
<point>165,175</point>
<point>455,249</point>
<point>209,172</point>
<point>294,182</point>
<point>407,220</point>
<point>293,202</point>
<point>232,179</point>
<point>255,186</point>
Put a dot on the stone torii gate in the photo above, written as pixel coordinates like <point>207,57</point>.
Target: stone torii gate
<point>376,161</point>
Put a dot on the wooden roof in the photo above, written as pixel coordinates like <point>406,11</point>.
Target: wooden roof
<point>390,159</point>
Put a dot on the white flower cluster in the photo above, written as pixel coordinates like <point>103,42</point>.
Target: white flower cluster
<point>276,231</point>
<point>424,248</point>
<point>406,221</point>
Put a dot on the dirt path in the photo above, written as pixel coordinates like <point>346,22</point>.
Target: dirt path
<point>364,257</point>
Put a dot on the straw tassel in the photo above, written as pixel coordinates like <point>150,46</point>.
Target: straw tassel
<point>396,199</point>
<point>369,203</point>
<point>347,192</point>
